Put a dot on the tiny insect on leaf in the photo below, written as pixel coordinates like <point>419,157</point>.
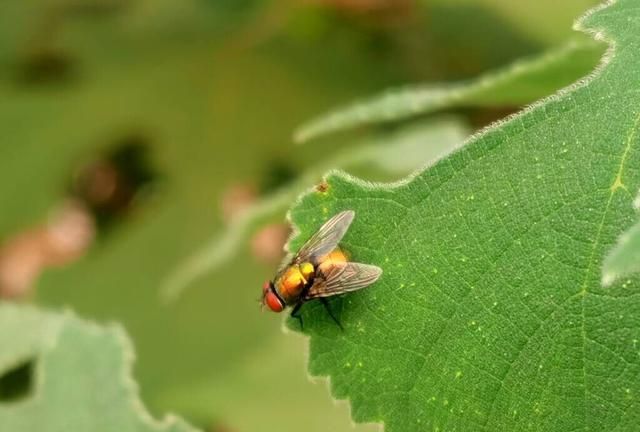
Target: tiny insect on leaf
<point>319,270</point>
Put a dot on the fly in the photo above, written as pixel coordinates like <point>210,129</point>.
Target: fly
<point>319,270</point>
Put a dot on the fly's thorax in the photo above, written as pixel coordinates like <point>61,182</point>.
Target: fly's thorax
<point>293,281</point>
<point>307,270</point>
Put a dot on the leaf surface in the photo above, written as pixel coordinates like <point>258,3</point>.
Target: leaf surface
<point>624,258</point>
<point>490,314</point>
<point>82,378</point>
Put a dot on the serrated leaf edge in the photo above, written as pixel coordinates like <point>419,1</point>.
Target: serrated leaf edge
<point>127,357</point>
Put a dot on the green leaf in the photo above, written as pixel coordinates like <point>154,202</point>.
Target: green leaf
<point>400,152</point>
<point>490,314</point>
<point>518,84</point>
<point>624,258</point>
<point>82,376</point>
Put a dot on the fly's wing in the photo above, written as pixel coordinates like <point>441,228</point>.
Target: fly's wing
<point>327,238</point>
<point>342,278</point>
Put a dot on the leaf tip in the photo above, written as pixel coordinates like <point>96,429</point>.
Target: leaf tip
<point>586,22</point>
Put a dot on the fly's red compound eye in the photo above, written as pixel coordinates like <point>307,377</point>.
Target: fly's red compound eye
<point>274,303</point>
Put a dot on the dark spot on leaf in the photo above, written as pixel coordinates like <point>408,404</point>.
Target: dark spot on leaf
<point>322,187</point>
<point>17,383</point>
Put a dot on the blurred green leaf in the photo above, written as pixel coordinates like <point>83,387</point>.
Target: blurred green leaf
<point>273,372</point>
<point>490,314</point>
<point>399,152</point>
<point>517,84</point>
<point>82,380</point>
<point>624,258</point>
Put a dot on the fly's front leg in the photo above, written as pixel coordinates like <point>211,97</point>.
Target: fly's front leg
<point>295,313</point>
<point>325,303</point>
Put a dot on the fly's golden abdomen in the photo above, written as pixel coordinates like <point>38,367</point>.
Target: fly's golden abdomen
<point>329,260</point>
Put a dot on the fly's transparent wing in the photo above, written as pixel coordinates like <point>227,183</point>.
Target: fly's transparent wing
<point>342,278</point>
<point>327,238</point>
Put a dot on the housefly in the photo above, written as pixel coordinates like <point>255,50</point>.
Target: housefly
<point>319,270</point>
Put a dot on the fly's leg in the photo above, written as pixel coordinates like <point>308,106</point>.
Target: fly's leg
<point>325,303</point>
<point>295,313</point>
